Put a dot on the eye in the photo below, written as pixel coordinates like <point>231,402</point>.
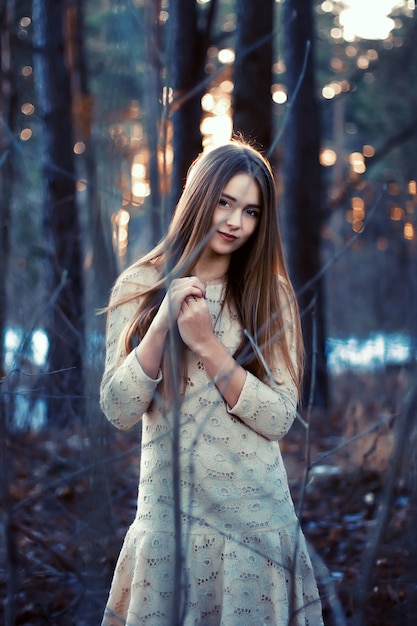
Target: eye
<point>224,203</point>
<point>253,212</point>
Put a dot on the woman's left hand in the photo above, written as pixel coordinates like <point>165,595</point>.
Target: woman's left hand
<point>194,323</point>
<point>196,329</point>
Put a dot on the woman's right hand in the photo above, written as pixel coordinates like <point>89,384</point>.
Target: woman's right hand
<point>150,349</point>
<point>179,290</point>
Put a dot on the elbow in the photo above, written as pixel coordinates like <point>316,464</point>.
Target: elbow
<point>274,430</point>
<point>121,415</point>
<point>275,435</point>
<point>280,425</point>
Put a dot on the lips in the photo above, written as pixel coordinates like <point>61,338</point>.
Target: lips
<point>226,237</point>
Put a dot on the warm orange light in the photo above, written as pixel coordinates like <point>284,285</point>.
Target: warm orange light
<point>226,86</point>
<point>326,6</point>
<point>120,221</point>
<point>280,97</point>
<point>409,231</point>
<point>396,213</point>
<point>337,64</point>
<point>331,90</point>
<point>368,151</point>
<point>141,189</point>
<point>412,187</point>
<point>358,209</point>
<point>336,33</point>
<point>226,55</point>
<point>26,134</point>
<point>328,157</point>
<point>362,62</point>
<point>351,51</point>
<point>357,162</point>
<point>216,130</point>
<point>357,203</point>
<point>140,186</point>
<point>79,147</point>
<point>207,102</point>
<point>27,108</point>
<point>166,156</point>
<point>123,217</point>
<point>279,93</point>
<point>138,170</point>
<point>167,95</point>
<point>327,92</point>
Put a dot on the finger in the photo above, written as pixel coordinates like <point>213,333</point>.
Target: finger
<point>196,282</point>
<point>184,288</point>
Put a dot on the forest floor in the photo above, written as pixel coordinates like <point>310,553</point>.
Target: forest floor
<point>68,496</point>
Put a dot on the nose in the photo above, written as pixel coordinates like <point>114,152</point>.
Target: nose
<point>234,218</point>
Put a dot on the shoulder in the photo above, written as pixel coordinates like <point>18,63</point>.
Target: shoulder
<point>140,275</point>
<point>134,280</point>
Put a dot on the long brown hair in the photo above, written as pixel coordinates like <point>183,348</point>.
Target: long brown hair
<point>252,284</point>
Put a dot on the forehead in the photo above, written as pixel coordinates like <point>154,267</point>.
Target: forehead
<point>243,188</point>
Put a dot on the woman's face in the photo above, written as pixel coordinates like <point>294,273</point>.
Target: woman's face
<point>236,216</point>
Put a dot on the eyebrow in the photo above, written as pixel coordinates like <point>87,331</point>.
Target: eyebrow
<point>229,197</point>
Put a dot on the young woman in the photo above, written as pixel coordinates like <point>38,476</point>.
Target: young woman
<point>204,346</point>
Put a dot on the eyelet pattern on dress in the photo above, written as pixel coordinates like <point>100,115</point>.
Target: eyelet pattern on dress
<point>244,558</point>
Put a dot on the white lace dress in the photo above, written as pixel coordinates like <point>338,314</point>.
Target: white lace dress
<point>240,558</point>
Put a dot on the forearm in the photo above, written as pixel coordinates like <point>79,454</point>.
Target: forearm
<point>126,392</point>
<point>269,410</point>
<point>228,376</point>
<point>149,351</point>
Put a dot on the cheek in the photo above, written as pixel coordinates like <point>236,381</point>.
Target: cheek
<point>218,217</point>
<point>251,227</point>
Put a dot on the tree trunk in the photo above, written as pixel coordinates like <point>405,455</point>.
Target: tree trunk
<point>159,218</point>
<point>63,257</point>
<point>103,262</point>
<point>303,190</point>
<point>8,108</point>
<point>252,103</point>
<point>187,54</point>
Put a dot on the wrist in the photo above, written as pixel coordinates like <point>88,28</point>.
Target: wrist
<point>159,326</point>
<point>207,347</point>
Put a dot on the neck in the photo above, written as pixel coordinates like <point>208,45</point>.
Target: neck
<point>211,272</point>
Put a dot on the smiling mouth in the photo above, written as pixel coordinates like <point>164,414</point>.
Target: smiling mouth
<point>226,236</point>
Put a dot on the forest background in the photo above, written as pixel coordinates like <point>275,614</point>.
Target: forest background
<point>103,106</point>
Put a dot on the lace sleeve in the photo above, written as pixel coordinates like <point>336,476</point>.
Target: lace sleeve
<point>125,391</point>
<point>269,407</point>
<point>267,410</point>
